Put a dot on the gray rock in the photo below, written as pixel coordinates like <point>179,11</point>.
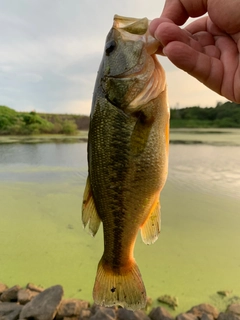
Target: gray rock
<point>228,316</point>
<point>94,308</point>
<point>104,314</point>
<point>33,287</point>
<point>200,309</point>
<point>160,313</point>
<point>234,308</point>
<point>124,314</point>
<point>71,307</point>
<point>26,295</point>
<point>85,314</point>
<point>3,287</point>
<point>10,295</point>
<point>186,316</point>
<point>207,316</point>
<point>9,311</point>
<point>44,305</point>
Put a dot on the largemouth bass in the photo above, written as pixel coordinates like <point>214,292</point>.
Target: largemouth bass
<point>127,158</point>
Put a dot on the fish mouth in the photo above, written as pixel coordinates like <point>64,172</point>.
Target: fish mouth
<point>136,29</point>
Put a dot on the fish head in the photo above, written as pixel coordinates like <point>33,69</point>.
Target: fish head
<point>130,74</point>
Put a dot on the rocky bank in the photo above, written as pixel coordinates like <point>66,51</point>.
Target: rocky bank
<point>36,303</point>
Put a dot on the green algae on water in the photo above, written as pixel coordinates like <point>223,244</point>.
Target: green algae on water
<point>188,260</point>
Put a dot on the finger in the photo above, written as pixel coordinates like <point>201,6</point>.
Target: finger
<point>196,25</point>
<point>204,24</point>
<point>230,62</point>
<point>225,14</point>
<point>180,10</point>
<point>155,23</point>
<point>212,51</point>
<point>168,32</point>
<point>204,38</point>
<point>206,69</point>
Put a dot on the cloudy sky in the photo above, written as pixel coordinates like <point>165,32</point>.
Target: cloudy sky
<point>50,52</point>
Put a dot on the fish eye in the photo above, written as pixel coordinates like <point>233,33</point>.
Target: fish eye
<point>110,46</point>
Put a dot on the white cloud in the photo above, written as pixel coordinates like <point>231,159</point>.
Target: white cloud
<point>29,77</point>
<point>51,51</point>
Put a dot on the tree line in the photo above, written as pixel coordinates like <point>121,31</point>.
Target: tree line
<point>224,115</point>
<point>27,123</point>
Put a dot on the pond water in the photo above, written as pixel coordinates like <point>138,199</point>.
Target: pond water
<point>196,255</point>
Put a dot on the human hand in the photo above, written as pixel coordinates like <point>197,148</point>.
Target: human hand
<point>209,47</point>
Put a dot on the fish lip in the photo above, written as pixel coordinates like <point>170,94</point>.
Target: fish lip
<point>131,25</point>
<point>127,26</point>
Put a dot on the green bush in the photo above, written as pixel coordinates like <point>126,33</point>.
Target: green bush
<point>225,123</point>
<point>57,128</point>
<point>8,112</point>
<point>226,115</point>
<point>69,127</point>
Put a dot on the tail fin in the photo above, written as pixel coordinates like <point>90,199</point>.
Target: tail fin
<point>126,290</point>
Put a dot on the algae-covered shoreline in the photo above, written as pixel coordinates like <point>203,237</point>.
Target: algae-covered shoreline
<point>81,136</point>
<point>43,242</point>
<point>210,136</point>
<point>196,255</point>
<point>30,303</point>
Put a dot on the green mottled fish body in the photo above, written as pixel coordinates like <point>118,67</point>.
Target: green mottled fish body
<point>128,158</point>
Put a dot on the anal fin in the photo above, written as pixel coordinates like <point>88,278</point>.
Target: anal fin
<point>152,226</point>
<point>89,212</point>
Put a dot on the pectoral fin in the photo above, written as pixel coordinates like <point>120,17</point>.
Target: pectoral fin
<point>89,212</point>
<point>152,226</point>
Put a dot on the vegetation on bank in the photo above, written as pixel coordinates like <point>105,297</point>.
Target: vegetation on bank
<point>226,115</point>
<point>27,123</point>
